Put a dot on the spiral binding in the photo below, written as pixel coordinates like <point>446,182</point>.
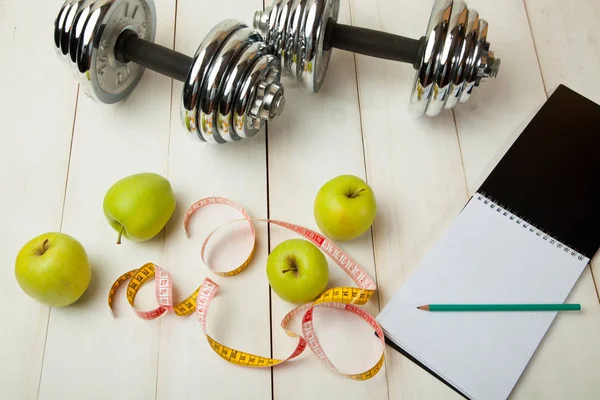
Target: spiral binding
<point>504,211</point>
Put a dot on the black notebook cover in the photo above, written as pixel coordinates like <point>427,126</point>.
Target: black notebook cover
<point>550,177</point>
<point>551,174</point>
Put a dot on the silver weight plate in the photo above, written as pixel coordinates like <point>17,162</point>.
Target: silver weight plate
<point>268,26</point>
<point>295,33</point>
<point>217,75</point>
<point>86,32</point>
<point>68,28</point>
<point>80,20</point>
<point>231,125</point>
<point>447,62</point>
<point>480,29</point>
<point>201,65</point>
<point>107,79</point>
<point>464,62</point>
<point>63,25</point>
<point>455,59</point>
<point>304,38</point>
<point>290,50</point>
<point>276,34</point>
<point>247,95</point>
<point>436,36</point>
<point>313,60</point>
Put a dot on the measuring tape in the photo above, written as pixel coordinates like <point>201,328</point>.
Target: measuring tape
<point>342,298</point>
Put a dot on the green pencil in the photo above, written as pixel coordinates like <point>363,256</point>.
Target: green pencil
<point>500,307</point>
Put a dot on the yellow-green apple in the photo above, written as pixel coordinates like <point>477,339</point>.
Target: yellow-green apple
<point>139,206</point>
<point>53,269</point>
<point>297,271</point>
<point>345,207</point>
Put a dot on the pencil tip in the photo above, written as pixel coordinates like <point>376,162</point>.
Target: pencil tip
<point>426,308</point>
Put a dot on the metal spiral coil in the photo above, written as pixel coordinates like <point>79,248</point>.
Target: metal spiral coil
<point>456,58</point>
<point>233,86</point>
<point>85,33</point>
<point>295,33</point>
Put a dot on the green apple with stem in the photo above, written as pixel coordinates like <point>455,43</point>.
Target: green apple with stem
<point>53,269</point>
<point>297,271</point>
<point>139,206</point>
<point>345,207</point>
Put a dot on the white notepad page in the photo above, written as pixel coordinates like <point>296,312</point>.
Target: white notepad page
<point>487,256</point>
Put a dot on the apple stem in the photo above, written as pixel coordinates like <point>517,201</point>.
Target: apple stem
<point>355,193</point>
<point>288,270</point>
<point>43,249</point>
<point>293,267</point>
<point>120,234</point>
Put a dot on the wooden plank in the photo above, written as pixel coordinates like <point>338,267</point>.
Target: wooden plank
<point>568,47</point>
<point>487,126</point>
<point>35,136</point>
<point>415,168</point>
<point>565,58</point>
<point>595,267</point>
<point>567,43</point>
<point>562,366</point>
<point>316,139</point>
<point>239,316</point>
<point>89,353</point>
<point>499,108</point>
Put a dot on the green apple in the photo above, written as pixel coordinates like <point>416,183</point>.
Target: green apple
<point>345,207</point>
<point>53,269</point>
<point>297,271</point>
<point>139,206</point>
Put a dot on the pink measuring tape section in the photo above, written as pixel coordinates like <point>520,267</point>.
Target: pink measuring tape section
<point>342,298</point>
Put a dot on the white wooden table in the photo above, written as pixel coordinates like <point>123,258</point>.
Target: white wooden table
<point>59,153</point>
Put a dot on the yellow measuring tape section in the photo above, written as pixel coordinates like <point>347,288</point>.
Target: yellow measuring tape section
<point>342,298</point>
<point>346,295</point>
<point>239,357</point>
<point>137,279</point>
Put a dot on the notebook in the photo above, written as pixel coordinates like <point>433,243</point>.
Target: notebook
<point>524,237</point>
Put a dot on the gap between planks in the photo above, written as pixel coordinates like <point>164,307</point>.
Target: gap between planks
<point>372,232</point>
<point>269,245</point>
<point>62,216</point>
<point>164,232</point>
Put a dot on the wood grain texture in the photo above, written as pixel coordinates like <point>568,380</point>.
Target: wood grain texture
<point>415,168</point>
<point>37,105</point>
<point>495,115</point>
<point>422,171</point>
<point>570,343</point>
<point>239,315</point>
<point>595,267</point>
<point>568,43</point>
<point>568,47</point>
<point>88,353</point>
<point>316,139</point>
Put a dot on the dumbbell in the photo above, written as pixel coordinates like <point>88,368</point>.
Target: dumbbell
<point>231,85</point>
<point>450,60</point>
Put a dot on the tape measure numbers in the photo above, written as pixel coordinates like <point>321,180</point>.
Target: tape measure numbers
<point>342,298</point>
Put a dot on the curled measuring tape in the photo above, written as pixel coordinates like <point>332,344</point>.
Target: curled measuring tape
<point>342,298</point>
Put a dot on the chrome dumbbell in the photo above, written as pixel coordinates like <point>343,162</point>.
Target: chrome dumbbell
<point>231,85</point>
<point>451,59</point>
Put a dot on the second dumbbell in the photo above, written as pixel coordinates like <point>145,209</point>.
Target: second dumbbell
<point>451,59</point>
